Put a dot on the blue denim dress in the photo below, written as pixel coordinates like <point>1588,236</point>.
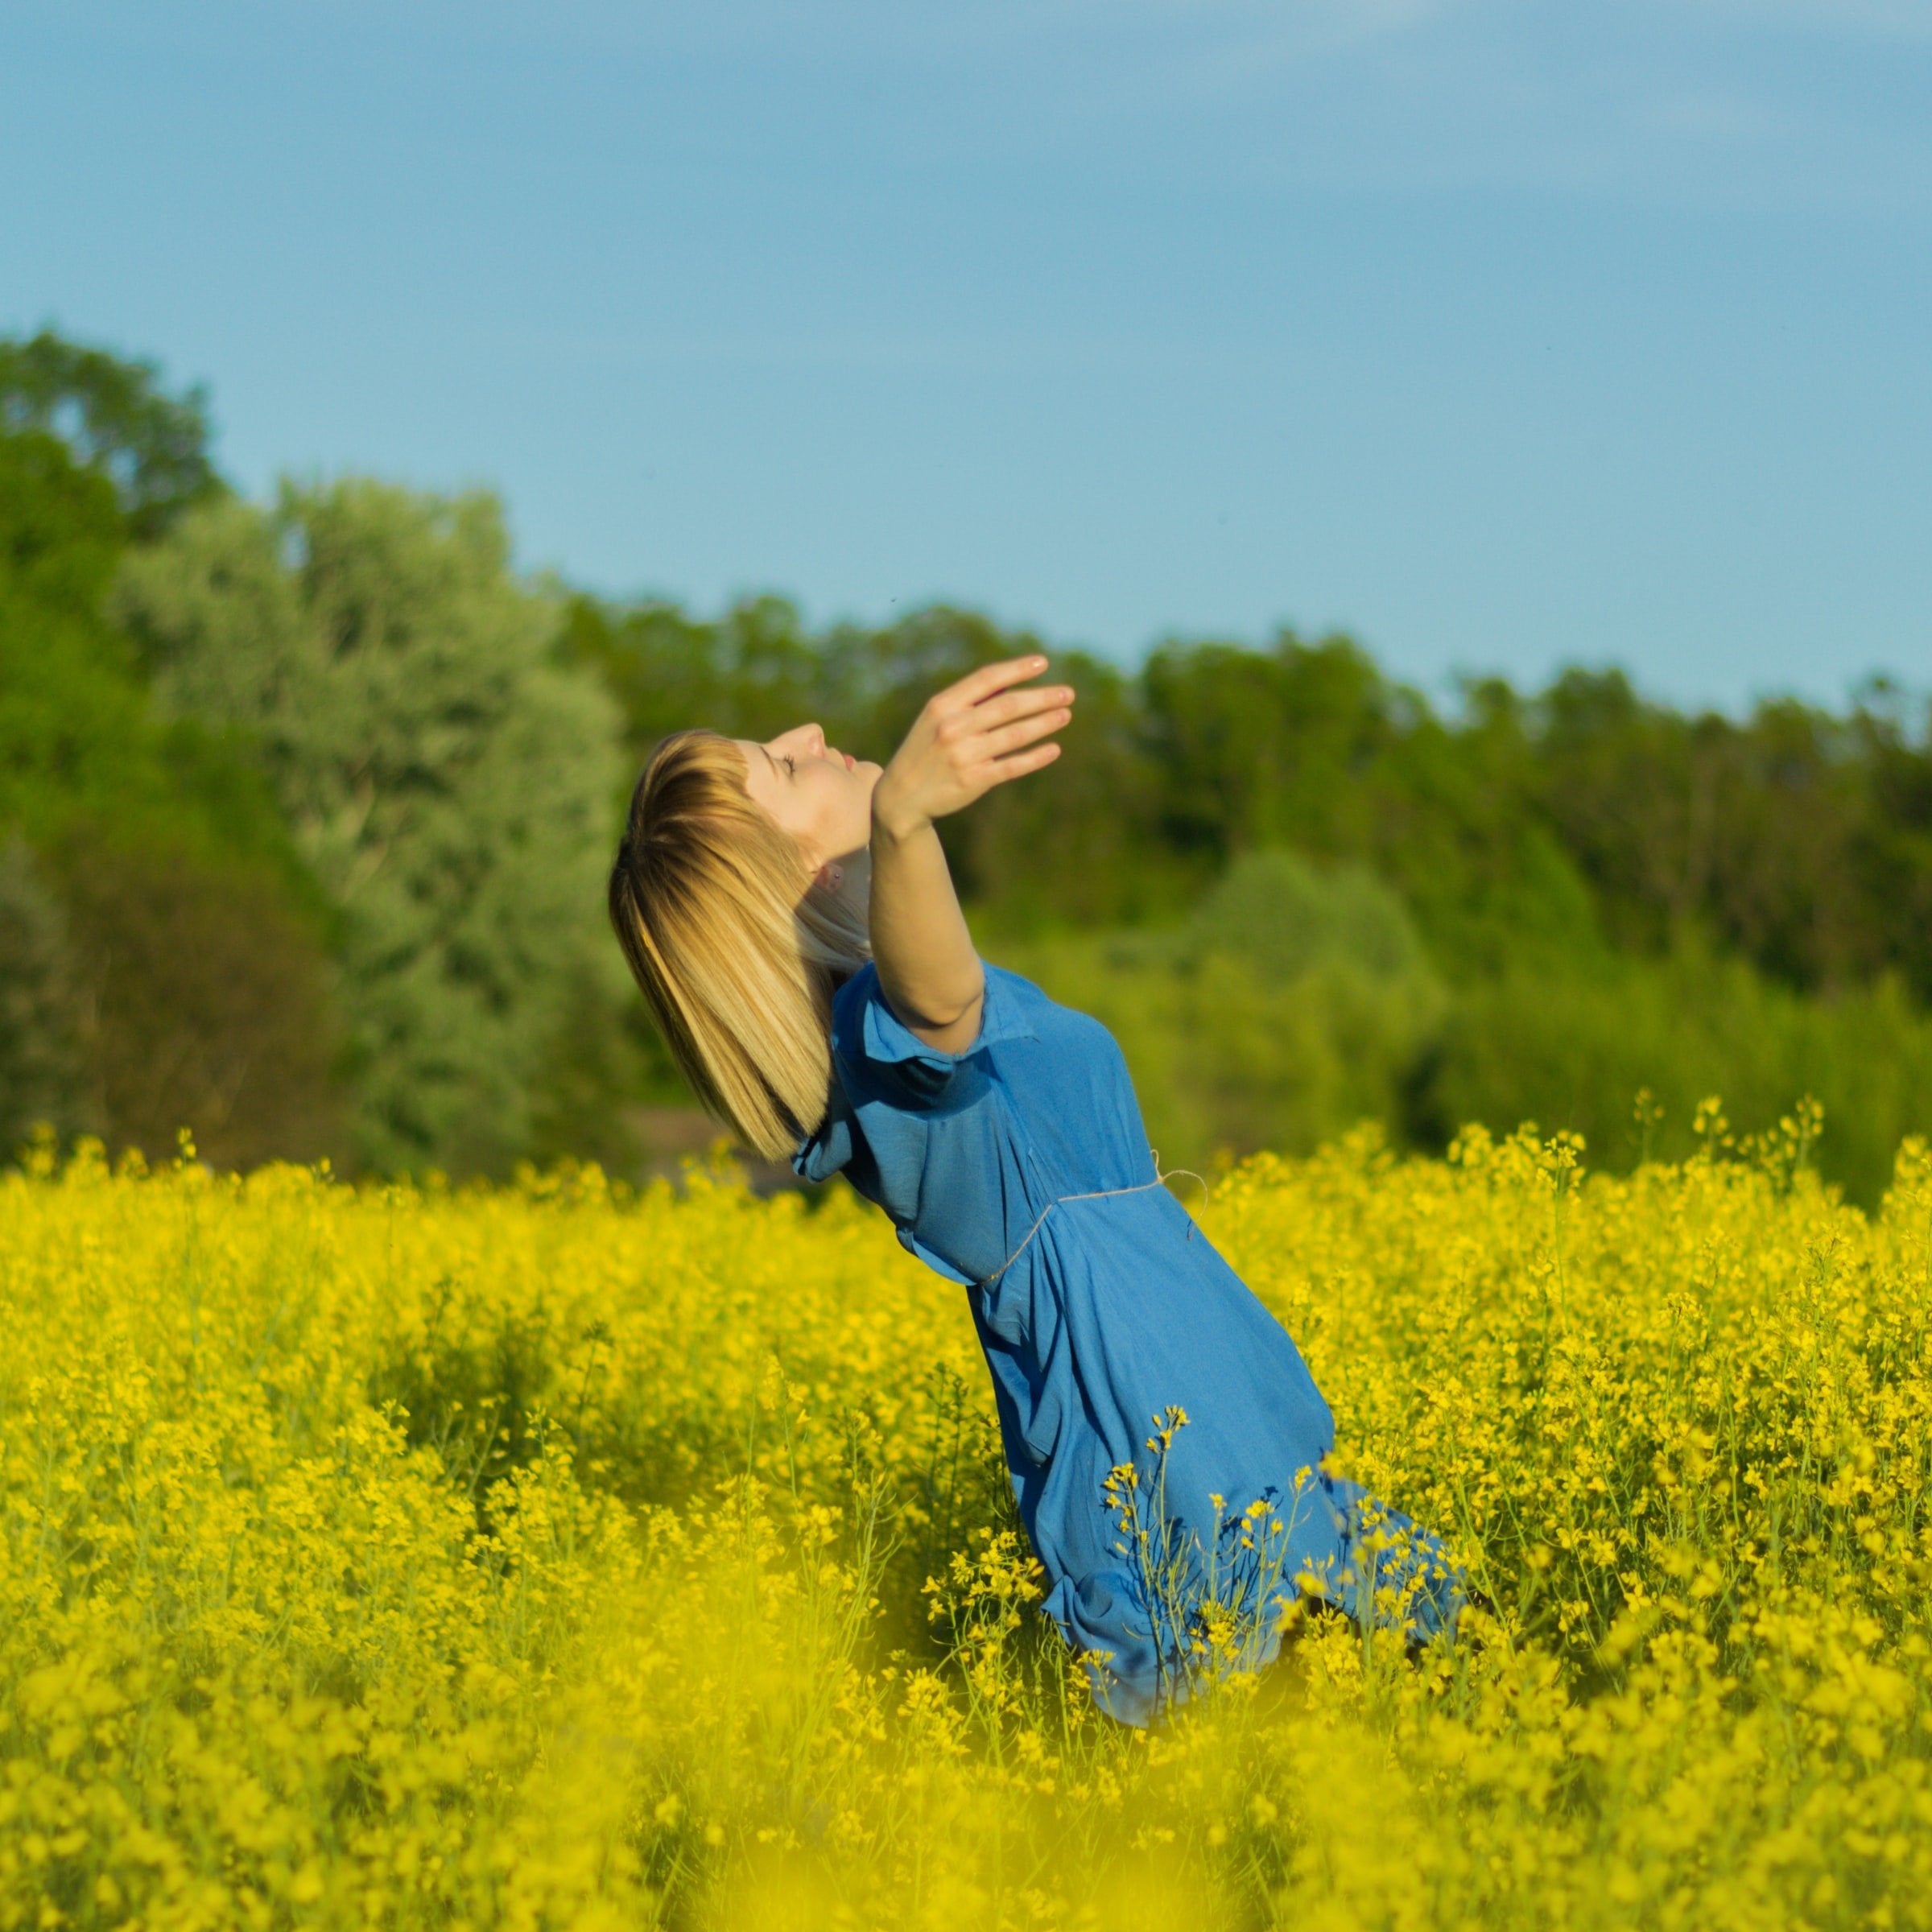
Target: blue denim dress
<point>1020,1169</point>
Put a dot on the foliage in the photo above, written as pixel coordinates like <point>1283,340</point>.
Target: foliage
<point>207,1004</point>
<point>161,944</point>
<point>1076,844</point>
<point>1587,894</point>
<point>390,757</point>
<point>1291,1005</point>
<point>1295,1002</point>
<point>551,1554</point>
<point>1798,838</point>
<point>1575,1048</point>
<point>1227,1056</point>
<point>1275,910</point>
<point>451,785</point>
<point>117,420</point>
<point>43,1074</point>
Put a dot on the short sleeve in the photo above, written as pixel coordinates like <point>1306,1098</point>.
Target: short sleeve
<point>833,1144</point>
<point>889,1087</point>
<point>889,1056</point>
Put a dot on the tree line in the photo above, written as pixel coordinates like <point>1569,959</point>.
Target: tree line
<point>304,808</point>
<point>1583,817</point>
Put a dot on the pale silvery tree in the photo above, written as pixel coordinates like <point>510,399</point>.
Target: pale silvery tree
<point>452,783</point>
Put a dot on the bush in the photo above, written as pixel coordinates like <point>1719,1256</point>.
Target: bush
<point>1293,1004</point>
<point>207,1005</point>
<point>1571,1046</point>
<point>1298,1001</point>
<point>43,1074</point>
<point>161,961</point>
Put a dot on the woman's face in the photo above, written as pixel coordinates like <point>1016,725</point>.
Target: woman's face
<point>822,796</point>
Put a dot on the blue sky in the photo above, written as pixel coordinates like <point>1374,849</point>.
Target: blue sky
<point>1502,335</point>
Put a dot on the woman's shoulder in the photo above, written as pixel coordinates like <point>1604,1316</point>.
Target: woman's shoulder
<point>864,1026</point>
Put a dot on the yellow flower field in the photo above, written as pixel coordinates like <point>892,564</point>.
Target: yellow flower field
<point>554,1556</point>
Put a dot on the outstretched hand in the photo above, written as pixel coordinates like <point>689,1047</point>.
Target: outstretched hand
<point>977,733</point>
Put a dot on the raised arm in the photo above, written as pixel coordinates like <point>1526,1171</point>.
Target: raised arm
<point>976,734</point>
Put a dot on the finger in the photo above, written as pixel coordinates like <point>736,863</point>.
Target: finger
<point>1004,707</point>
<point>1024,731</point>
<point>990,678</point>
<point>1022,763</point>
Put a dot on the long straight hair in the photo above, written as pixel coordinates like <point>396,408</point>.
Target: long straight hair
<point>737,953</point>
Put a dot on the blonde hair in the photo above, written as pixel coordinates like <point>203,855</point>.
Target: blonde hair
<point>737,955</point>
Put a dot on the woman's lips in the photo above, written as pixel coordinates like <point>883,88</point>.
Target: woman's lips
<point>852,763</point>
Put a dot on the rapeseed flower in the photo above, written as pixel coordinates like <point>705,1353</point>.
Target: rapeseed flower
<point>557,1554</point>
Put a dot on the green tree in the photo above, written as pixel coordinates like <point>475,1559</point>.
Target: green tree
<point>1080,843</point>
<point>451,780</point>
<point>1308,746</point>
<point>1799,839</point>
<point>160,956</point>
<point>1891,847</point>
<point>117,418</point>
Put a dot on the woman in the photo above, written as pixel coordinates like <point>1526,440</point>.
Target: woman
<point>787,910</point>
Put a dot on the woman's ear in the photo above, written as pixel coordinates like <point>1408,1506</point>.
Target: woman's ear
<point>829,876</point>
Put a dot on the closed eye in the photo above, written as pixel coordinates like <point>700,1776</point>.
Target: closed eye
<point>791,765</point>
